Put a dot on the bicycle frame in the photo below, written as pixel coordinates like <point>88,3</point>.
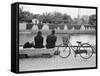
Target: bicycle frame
<point>79,49</point>
<point>69,45</point>
<point>79,44</point>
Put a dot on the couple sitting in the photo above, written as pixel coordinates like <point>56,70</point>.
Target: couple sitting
<point>50,40</point>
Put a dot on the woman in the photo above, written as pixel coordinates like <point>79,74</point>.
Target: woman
<point>38,39</point>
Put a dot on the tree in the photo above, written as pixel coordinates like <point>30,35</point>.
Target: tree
<point>25,15</point>
<point>67,18</point>
<point>92,19</point>
<point>85,19</point>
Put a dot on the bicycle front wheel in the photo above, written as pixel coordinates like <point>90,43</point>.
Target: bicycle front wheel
<point>86,51</point>
<point>64,51</point>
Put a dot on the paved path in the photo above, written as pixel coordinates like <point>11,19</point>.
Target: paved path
<point>55,62</point>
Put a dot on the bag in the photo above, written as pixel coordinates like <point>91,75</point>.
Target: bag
<point>28,45</point>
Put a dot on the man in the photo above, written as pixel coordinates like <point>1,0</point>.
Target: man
<point>51,40</point>
<point>38,40</point>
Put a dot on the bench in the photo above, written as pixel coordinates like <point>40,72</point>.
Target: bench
<point>36,51</point>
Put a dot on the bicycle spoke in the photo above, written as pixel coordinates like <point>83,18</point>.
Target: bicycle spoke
<point>86,51</point>
<point>65,52</point>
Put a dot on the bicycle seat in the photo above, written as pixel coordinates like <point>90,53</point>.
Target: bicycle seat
<point>79,42</point>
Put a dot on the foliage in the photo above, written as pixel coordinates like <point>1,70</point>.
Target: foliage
<point>54,17</point>
<point>92,19</point>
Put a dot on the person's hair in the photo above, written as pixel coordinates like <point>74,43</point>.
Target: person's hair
<point>53,31</point>
<point>39,33</point>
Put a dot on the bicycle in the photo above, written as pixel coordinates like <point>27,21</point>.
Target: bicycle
<point>85,50</point>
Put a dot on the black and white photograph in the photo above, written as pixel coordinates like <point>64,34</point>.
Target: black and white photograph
<point>56,37</point>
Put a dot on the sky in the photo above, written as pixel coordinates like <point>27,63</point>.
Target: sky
<point>73,12</point>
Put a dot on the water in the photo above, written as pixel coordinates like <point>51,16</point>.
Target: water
<point>83,38</point>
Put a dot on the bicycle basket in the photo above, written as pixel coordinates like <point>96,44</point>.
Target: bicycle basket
<point>66,40</point>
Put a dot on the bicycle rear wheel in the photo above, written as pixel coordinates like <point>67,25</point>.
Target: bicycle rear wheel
<point>86,51</point>
<point>64,51</point>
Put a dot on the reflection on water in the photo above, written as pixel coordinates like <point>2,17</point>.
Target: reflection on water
<point>84,38</point>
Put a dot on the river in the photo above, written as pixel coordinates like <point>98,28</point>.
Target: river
<point>83,38</point>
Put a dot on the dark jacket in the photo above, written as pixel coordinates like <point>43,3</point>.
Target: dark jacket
<point>38,42</point>
<point>51,41</point>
